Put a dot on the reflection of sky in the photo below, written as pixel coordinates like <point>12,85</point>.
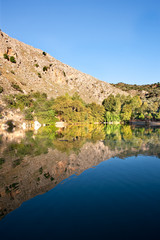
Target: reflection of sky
<point>111,40</point>
<point>118,199</point>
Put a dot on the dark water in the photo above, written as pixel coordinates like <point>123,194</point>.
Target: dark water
<point>101,183</point>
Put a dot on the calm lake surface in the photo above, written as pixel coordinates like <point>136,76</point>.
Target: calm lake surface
<point>90,182</point>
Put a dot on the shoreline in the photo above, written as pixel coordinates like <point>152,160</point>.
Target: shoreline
<point>145,123</point>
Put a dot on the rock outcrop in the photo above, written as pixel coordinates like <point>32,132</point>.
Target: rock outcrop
<point>35,70</point>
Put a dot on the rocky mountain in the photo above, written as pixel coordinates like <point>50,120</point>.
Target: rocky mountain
<point>24,68</point>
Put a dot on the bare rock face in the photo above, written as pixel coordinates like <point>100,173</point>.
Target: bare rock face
<point>35,70</point>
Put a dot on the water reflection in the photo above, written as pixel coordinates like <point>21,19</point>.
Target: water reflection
<point>31,164</point>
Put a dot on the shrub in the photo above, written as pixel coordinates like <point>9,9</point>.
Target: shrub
<point>5,55</point>
<point>36,65</point>
<point>64,73</point>
<point>10,101</point>
<point>46,175</point>
<point>44,95</point>
<point>12,72</point>
<point>1,89</point>
<point>45,68</point>
<point>40,170</point>
<point>39,75</point>
<point>16,162</point>
<point>10,124</point>
<point>16,87</point>
<point>44,53</point>
<point>29,116</point>
<point>12,59</point>
<point>141,116</point>
<point>2,160</point>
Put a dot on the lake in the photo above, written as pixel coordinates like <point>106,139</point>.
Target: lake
<point>81,182</point>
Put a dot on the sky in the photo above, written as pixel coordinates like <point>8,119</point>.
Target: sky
<point>112,40</point>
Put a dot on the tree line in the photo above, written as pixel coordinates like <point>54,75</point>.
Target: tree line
<point>72,109</point>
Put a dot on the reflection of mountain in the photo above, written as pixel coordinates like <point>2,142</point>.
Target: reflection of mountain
<point>23,177</point>
<point>36,175</point>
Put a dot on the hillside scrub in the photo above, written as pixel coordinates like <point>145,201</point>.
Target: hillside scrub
<point>35,105</point>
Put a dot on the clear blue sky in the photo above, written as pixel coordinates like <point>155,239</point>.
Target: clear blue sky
<point>113,40</point>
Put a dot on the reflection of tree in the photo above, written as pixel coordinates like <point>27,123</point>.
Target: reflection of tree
<point>116,137</point>
<point>73,138</point>
<point>129,140</point>
<point>32,144</point>
<point>22,179</point>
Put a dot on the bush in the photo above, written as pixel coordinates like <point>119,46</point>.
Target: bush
<point>12,72</point>
<point>44,53</point>
<point>45,68</point>
<point>36,65</point>
<point>1,89</point>
<point>16,87</point>
<point>12,59</point>
<point>10,124</point>
<point>29,116</point>
<point>141,116</point>
<point>2,160</point>
<point>10,101</point>
<point>39,75</point>
<point>44,95</point>
<point>5,55</point>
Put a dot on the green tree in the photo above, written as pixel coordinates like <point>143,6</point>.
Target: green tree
<point>126,112</point>
<point>109,103</point>
<point>97,112</point>
<point>141,116</point>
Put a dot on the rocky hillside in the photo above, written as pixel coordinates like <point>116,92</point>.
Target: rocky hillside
<point>26,69</point>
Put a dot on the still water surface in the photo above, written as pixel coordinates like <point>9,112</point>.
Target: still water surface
<point>80,183</point>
